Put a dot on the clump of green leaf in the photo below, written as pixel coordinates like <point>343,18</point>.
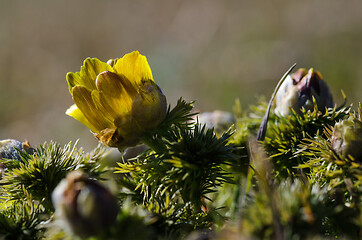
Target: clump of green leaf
<point>180,115</point>
<point>20,219</point>
<point>133,222</point>
<point>293,208</point>
<point>327,168</point>
<point>41,172</point>
<point>248,122</point>
<point>286,134</point>
<point>186,165</point>
<point>192,179</point>
<point>133,217</point>
<point>246,127</point>
<point>304,211</point>
<point>341,175</point>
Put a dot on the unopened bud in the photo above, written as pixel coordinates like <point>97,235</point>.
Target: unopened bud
<point>219,120</point>
<point>299,89</point>
<point>347,138</point>
<point>8,149</point>
<point>83,205</point>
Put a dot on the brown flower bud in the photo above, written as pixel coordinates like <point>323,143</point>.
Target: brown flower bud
<point>83,205</point>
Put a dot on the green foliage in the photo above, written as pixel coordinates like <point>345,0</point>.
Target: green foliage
<point>286,134</point>
<point>133,222</point>
<point>180,115</point>
<point>304,211</point>
<point>41,172</point>
<point>248,122</point>
<point>133,217</point>
<point>20,219</point>
<point>341,175</point>
<point>193,179</point>
<point>331,169</point>
<point>299,147</point>
<point>293,208</point>
<point>186,165</point>
<point>27,185</point>
<point>246,127</point>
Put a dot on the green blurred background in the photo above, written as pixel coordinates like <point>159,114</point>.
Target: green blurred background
<point>211,51</point>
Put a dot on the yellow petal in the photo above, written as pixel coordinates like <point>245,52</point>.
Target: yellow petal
<point>114,95</point>
<point>112,107</point>
<point>109,83</point>
<point>74,112</point>
<point>83,99</point>
<point>114,85</point>
<point>88,74</point>
<point>134,67</point>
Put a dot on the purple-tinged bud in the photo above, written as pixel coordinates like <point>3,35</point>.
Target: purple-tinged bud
<point>299,89</point>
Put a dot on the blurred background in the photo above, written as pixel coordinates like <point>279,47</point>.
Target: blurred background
<point>210,51</point>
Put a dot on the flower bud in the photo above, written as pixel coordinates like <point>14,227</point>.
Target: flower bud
<point>8,149</point>
<point>84,206</point>
<point>347,138</point>
<point>299,89</point>
<point>219,120</point>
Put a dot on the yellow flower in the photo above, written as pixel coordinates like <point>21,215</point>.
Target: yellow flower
<point>118,101</point>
